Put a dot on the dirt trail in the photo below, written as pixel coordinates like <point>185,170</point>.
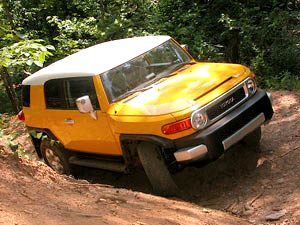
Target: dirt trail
<point>242,187</point>
<point>30,193</point>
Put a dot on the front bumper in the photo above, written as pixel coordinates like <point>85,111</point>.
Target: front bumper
<point>211,142</point>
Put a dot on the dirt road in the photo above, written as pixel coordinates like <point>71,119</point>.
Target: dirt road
<point>243,187</point>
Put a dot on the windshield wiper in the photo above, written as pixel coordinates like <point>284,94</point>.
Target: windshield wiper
<point>140,89</point>
<point>177,66</point>
<point>126,94</point>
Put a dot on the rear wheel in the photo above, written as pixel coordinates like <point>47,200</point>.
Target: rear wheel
<point>156,169</point>
<point>55,157</point>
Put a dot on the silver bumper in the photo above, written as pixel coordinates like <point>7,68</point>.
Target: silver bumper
<point>270,97</point>
<point>191,154</point>
<point>241,133</point>
<point>200,151</point>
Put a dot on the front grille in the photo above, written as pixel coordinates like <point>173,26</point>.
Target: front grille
<point>226,103</point>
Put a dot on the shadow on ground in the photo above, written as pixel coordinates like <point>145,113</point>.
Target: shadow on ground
<point>204,186</point>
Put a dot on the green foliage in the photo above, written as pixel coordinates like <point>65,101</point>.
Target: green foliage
<point>42,136</point>
<point>10,144</point>
<point>5,103</point>
<point>186,21</point>
<point>37,135</point>
<point>284,57</point>
<point>10,138</point>
<point>268,42</point>
<point>72,25</point>
<point>17,149</point>
<point>263,35</point>
<point>21,59</point>
<point>24,53</point>
<point>74,34</point>
<point>4,120</point>
<point>18,54</point>
<point>124,18</point>
<point>283,81</point>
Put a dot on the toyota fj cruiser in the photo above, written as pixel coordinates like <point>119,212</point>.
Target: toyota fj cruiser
<point>141,100</point>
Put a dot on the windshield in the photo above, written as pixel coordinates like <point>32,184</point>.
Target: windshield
<point>140,72</point>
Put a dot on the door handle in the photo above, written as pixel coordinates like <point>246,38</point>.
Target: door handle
<point>68,121</point>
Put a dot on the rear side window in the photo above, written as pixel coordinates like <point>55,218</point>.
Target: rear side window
<point>62,93</point>
<point>54,94</point>
<point>26,95</point>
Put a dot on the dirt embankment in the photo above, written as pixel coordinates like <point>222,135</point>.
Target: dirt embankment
<point>242,187</point>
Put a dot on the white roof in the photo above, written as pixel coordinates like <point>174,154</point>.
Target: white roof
<point>96,59</point>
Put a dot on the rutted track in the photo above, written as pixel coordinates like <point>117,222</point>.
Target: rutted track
<point>251,185</point>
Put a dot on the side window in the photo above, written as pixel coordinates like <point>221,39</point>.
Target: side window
<point>54,94</point>
<point>62,93</point>
<point>26,95</point>
<point>78,87</point>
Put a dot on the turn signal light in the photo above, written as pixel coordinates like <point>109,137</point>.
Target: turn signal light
<point>177,126</point>
<point>21,115</point>
<point>254,76</point>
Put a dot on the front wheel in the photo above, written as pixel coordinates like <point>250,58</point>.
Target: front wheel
<point>156,169</point>
<point>55,157</point>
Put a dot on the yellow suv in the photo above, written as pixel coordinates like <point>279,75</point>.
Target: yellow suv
<point>141,100</point>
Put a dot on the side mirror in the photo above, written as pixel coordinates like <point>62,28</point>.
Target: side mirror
<point>185,47</point>
<point>84,105</point>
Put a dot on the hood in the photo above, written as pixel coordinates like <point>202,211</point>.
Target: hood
<point>178,92</point>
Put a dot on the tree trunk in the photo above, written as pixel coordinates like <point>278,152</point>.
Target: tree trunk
<point>8,14</point>
<point>10,91</point>
<point>9,88</point>
<point>232,50</point>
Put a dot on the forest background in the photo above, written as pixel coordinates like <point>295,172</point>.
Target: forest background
<point>261,34</point>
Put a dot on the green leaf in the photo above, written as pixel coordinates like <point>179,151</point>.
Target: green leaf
<point>21,36</point>
<point>16,135</point>
<point>44,137</point>
<point>38,63</point>
<point>52,142</point>
<point>43,48</point>
<point>16,154</point>
<point>50,47</point>
<point>39,135</point>
<point>32,133</point>
<point>42,57</point>
<point>29,62</point>
<point>13,147</point>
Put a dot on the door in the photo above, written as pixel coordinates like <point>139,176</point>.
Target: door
<point>75,130</point>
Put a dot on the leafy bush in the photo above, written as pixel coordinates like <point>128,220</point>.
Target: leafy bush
<point>5,106</point>
<point>283,81</point>
<point>187,22</point>
<point>10,138</point>
<point>285,58</point>
<point>260,34</point>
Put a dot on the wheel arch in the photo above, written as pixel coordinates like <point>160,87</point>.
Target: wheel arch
<point>129,143</point>
<point>37,141</point>
<point>162,142</point>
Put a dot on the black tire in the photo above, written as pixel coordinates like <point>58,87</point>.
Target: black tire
<point>55,157</point>
<point>156,169</point>
<point>252,140</point>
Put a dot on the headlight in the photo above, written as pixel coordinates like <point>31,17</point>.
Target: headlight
<point>198,120</point>
<point>251,86</point>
